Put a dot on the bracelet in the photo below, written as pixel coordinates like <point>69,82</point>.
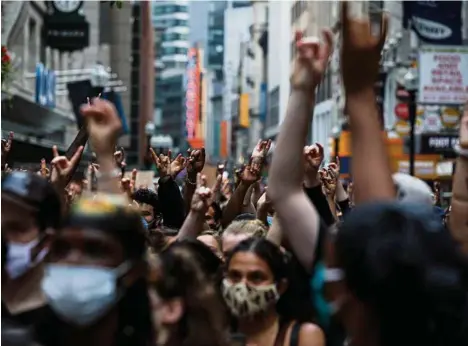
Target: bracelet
<point>187,180</point>
<point>115,173</point>
<point>461,151</point>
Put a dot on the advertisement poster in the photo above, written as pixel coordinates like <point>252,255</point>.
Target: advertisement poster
<point>443,75</point>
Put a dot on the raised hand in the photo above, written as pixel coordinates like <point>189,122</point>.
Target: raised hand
<point>127,185</point>
<point>177,165</point>
<point>44,171</point>
<point>311,62</point>
<point>334,168</point>
<point>313,156</point>
<point>328,181</point>
<point>6,143</point>
<point>203,196</point>
<point>119,157</point>
<point>221,167</point>
<point>249,175</point>
<point>104,125</point>
<point>360,51</point>
<point>196,160</point>
<point>62,167</point>
<point>259,154</point>
<point>162,162</point>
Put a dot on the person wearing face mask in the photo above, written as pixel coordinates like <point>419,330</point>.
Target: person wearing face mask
<point>30,211</point>
<point>269,305</point>
<point>95,277</point>
<point>148,203</point>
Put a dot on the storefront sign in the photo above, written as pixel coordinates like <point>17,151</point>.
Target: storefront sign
<point>402,111</point>
<point>436,22</point>
<point>422,169</point>
<point>45,86</point>
<point>437,144</point>
<point>450,117</point>
<point>443,74</point>
<point>432,122</point>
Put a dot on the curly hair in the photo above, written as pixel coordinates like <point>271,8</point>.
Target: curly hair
<point>147,196</point>
<point>204,320</point>
<point>253,228</point>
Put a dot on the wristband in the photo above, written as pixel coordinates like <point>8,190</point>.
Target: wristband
<point>187,180</point>
<point>461,151</point>
<point>115,173</point>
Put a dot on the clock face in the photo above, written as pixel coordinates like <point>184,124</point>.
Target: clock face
<point>67,6</point>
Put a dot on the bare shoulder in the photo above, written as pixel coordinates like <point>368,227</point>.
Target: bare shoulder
<point>311,335</point>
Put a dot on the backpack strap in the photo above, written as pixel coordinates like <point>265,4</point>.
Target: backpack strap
<point>294,338</point>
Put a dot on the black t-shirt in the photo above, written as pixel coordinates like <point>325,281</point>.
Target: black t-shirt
<point>27,318</point>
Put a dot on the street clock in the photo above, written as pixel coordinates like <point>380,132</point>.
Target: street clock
<point>67,6</point>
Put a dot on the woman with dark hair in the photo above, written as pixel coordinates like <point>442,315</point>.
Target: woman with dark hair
<point>269,304</point>
<point>187,307</point>
<point>405,282</point>
<point>95,278</point>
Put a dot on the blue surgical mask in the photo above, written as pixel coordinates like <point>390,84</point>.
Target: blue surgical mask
<point>81,295</point>
<point>324,309</point>
<point>269,220</point>
<point>19,259</point>
<point>145,223</point>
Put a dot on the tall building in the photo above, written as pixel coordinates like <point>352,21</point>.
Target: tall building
<point>170,20</point>
<point>173,16</point>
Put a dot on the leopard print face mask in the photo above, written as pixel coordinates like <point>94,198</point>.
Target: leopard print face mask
<point>244,300</point>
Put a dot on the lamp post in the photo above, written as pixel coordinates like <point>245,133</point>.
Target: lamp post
<point>149,132</point>
<point>410,82</point>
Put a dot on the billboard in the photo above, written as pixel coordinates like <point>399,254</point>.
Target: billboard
<point>192,93</point>
<point>443,75</point>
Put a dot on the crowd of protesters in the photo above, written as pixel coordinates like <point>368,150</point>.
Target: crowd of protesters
<point>306,260</point>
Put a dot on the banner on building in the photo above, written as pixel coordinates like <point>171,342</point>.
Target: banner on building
<point>443,75</point>
<point>192,93</point>
<point>244,118</point>
<point>224,139</point>
<point>45,86</point>
<point>435,22</point>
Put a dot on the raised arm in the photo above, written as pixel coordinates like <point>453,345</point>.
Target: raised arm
<point>458,221</point>
<point>360,57</point>
<point>104,127</point>
<point>298,217</point>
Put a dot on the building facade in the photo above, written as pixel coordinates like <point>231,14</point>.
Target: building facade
<point>53,123</point>
<point>173,16</point>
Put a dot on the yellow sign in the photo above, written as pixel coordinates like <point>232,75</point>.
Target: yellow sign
<point>402,127</point>
<point>450,117</point>
<point>244,118</point>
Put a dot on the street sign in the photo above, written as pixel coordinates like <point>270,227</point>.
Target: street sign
<point>402,111</point>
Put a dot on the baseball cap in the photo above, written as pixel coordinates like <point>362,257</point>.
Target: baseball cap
<point>411,189</point>
<point>111,214</point>
<point>35,193</point>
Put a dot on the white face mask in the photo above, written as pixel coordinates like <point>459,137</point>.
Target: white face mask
<point>81,295</point>
<point>19,258</point>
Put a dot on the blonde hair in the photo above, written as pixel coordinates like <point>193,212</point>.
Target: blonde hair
<point>252,228</point>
